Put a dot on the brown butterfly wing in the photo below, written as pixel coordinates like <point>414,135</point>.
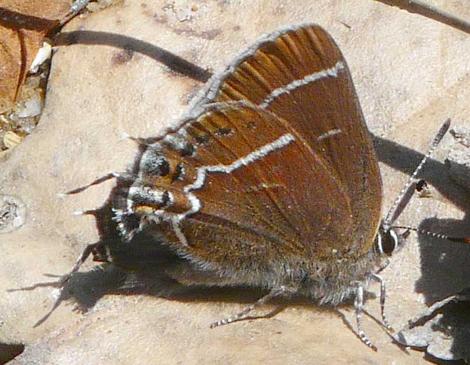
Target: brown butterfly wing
<point>253,193</point>
<point>288,174</point>
<point>300,75</point>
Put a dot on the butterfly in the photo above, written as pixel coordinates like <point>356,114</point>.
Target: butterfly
<point>270,180</point>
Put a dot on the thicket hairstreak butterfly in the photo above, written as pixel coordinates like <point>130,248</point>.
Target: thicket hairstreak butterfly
<point>270,181</point>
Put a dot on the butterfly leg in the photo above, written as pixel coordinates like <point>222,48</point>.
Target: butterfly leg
<point>81,259</point>
<point>275,292</point>
<point>380,280</point>
<point>359,306</point>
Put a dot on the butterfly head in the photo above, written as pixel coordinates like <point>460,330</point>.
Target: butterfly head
<point>155,194</point>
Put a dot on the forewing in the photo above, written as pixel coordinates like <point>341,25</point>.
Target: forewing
<point>300,75</point>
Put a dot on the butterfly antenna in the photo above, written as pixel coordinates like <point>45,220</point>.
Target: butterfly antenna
<point>121,177</point>
<point>408,189</point>
<point>435,235</point>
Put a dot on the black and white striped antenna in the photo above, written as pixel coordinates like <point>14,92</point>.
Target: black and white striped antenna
<point>434,235</point>
<point>408,189</point>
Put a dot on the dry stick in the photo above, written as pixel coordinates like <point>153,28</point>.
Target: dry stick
<point>75,8</point>
<point>420,7</point>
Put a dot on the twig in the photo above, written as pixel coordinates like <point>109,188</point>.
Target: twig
<point>430,11</point>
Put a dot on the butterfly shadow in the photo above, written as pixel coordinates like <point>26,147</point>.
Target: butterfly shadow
<point>445,271</point>
<point>86,288</point>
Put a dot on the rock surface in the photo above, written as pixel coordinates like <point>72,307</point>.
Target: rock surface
<point>458,159</point>
<point>443,330</point>
<point>126,71</point>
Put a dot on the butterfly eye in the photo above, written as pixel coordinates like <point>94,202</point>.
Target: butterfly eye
<point>387,242</point>
<point>154,163</point>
